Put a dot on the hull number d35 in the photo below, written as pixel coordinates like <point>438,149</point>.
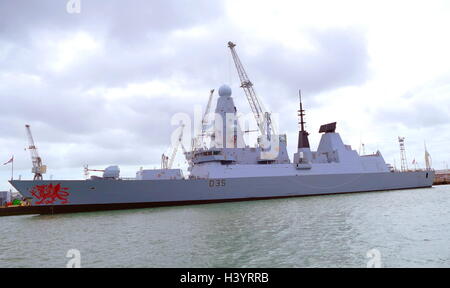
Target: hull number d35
<point>216,182</point>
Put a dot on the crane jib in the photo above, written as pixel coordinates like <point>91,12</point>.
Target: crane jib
<point>262,117</point>
<point>38,169</point>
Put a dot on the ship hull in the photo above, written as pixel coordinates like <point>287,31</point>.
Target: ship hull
<point>95,195</point>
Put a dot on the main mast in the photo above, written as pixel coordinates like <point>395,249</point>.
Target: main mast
<point>302,134</point>
<point>303,157</point>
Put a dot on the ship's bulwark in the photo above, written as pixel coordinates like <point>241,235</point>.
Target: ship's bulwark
<point>94,195</point>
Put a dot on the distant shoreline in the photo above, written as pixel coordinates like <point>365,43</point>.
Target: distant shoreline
<point>441,183</point>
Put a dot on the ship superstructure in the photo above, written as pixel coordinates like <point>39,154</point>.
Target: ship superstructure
<point>331,157</point>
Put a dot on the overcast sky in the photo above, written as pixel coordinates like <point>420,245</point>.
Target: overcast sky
<point>100,87</point>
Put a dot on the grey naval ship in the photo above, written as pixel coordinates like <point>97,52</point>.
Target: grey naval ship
<point>226,169</point>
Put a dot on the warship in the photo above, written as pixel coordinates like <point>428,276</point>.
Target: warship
<point>227,169</point>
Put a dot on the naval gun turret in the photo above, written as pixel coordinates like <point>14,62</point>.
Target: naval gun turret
<point>111,172</point>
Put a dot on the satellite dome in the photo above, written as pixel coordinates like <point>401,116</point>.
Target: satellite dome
<point>225,90</point>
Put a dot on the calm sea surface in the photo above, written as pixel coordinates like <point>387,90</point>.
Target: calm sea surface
<point>409,228</point>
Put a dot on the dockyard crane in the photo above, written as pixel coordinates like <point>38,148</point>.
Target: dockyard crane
<point>202,134</point>
<point>166,161</point>
<point>262,117</point>
<point>38,169</point>
<point>87,170</point>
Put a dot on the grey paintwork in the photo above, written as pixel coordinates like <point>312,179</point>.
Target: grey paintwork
<point>138,191</point>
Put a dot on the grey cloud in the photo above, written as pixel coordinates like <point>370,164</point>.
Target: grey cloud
<point>339,58</point>
<point>124,20</point>
<point>139,45</point>
<point>418,114</point>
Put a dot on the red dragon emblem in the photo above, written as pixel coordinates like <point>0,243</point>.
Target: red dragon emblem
<point>49,194</point>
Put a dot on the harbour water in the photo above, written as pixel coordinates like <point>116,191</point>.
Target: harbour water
<point>409,228</point>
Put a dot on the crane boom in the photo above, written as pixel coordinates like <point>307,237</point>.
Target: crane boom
<point>175,149</point>
<point>262,117</point>
<point>202,134</point>
<point>38,169</point>
<point>205,115</point>
<point>166,161</point>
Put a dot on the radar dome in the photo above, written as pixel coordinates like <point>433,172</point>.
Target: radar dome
<point>225,91</point>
